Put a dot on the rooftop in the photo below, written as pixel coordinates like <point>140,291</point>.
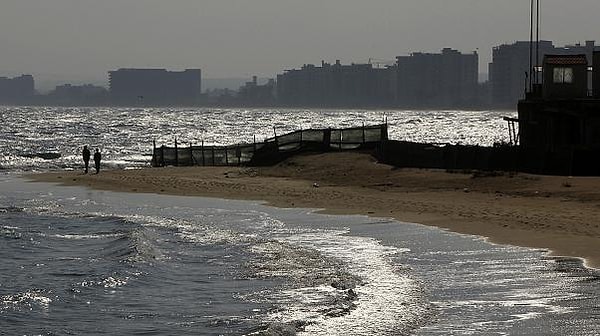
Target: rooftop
<point>566,59</point>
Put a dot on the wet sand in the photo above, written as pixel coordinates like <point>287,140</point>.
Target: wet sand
<point>549,212</point>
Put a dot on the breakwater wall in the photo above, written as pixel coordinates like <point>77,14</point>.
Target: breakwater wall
<point>271,150</point>
<point>374,138</point>
<point>502,158</point>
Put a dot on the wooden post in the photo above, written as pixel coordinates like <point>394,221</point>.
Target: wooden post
<point>162,155</point>
<point>513,134</point>
<point>191,155</point>
<point>341,138</point>
<point>455,155</point>
<point>213,154</point>
<point>276,140</point>
<point>238,153</point>
<point>176,153</point>
<point>363,133</point>
<point>226,156</point>
<point>327,139</point>
<point>384,132</point>
<point>154,159</point>
<point>301,137</point>
<point>202,149</point>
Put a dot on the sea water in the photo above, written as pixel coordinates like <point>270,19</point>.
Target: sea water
<point>125,135</point>
<point>78,261</point>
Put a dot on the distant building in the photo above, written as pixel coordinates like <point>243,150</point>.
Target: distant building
<point>509,70</point>
<point>17,90</point>
<point>447,80</point>
<point>254,94</point>
<point>510,67</point>
<point>78,95</point>
<point>336,85</point>
<point>159,87</point>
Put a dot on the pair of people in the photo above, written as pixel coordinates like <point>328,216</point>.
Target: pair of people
<point>86,159</point>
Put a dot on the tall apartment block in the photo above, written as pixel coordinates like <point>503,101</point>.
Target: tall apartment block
<point>155,87</point>
<point>447,80</point>
<point>17,90</point>
<point>336,85</point>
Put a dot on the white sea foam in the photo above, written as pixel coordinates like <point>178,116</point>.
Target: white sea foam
<point>29,299</point>
<point>87,236</point>
<point>385,301</point>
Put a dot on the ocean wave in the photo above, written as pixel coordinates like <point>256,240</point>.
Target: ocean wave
<point>87,236</point>
<point>122,238</point>
<point>304,266</point>
<point>332,281</point>
<point>201,232</point>
<point>25,300</point>
<point>10,232</point>
<point>11,209</point>
<point>108,282</point>
<point>321,285</point>
<point>337,285</point>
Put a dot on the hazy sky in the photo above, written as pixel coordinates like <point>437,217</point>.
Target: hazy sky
<point>82,39</point>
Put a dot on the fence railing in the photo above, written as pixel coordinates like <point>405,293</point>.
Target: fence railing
<point>271,149</point>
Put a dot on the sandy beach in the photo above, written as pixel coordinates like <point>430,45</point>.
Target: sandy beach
<point>548,212</point>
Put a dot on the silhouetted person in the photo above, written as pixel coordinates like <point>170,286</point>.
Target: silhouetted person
<point>86,158</point>
<point>97,158</point>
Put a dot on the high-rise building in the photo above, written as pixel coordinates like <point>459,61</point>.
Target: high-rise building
<point>254,94</point>
<point>17,90</point>
<point>448,79</point>
<point>155,87</point>
<point>78,95</point>
<point>509,71</point>
<point>336,85</point>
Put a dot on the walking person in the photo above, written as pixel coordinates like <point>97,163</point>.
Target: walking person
<point>97,158</point>
<point>86,158</point>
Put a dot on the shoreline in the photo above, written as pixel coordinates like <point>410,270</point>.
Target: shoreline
<point>553,213</point>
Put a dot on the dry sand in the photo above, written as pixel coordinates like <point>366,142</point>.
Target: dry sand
<point>557,213</point>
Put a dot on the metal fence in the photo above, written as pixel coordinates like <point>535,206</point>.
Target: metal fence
<point>272,149</point>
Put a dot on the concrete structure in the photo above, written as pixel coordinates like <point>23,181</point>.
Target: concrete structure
<point>447,80</point>
<point>17,90</point>
<point>559,125</point>
<point>510,66</point>
<point>355,85</point>
<point>148,87</point>
<point>565,76</point>
<point>596,74</point>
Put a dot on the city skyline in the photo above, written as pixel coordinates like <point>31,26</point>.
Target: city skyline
<point>81,39</point>
<point>448,79</point>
